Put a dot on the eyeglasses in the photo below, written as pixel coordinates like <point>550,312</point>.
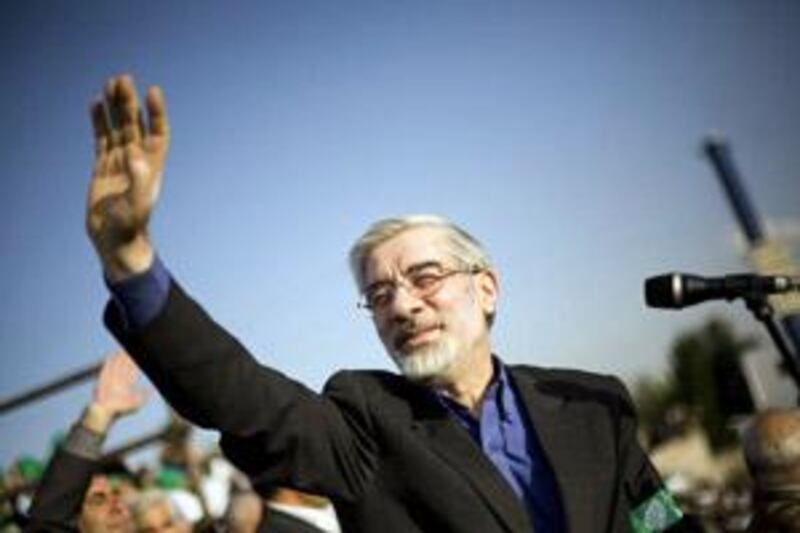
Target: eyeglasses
<point>420,281</point>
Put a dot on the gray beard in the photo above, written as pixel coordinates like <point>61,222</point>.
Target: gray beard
<point>427,362</point>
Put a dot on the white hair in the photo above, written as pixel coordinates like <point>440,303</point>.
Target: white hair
<point>151,498</point>
<point>465,247</point>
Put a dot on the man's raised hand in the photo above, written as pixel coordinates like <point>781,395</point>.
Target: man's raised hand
<point>115,394</point>
<point>126,179</point>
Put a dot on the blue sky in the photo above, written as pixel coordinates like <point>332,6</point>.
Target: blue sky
<point>564,135</point>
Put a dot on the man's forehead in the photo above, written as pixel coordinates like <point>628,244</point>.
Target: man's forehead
<point>101,485</point>
<point>100,482</point>
<point>411,247</point>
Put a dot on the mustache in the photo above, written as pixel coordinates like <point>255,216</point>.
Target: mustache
<point>411,328</point>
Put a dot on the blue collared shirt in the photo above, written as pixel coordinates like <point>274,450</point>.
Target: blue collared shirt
<point>507,437</point>
<point>503,430</point>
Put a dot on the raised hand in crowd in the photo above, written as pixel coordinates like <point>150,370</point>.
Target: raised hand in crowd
<point>115,394</point>
<point>129,163</point>
<point>76,493</point>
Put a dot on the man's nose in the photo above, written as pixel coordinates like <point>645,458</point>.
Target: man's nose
<point>404,304</point>
<point>117,505</point>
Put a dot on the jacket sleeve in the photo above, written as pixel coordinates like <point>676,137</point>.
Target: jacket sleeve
<point>648,504</point>
<point>58,499</point>
<point>273,428</point>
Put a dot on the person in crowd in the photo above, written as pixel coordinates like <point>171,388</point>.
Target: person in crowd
<point>76,492</point>
<point>244,513</point>
<point>772,451</point>
<point>288,510</point>
<point>459,442</point>
<point>154,512</point>
<point>280,510</point>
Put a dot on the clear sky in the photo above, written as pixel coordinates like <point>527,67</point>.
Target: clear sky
<point>565,135</point>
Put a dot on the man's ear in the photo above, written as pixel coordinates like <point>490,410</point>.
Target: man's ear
<point>488,290</point>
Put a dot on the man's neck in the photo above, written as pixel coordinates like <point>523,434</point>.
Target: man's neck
<point>467,381</point>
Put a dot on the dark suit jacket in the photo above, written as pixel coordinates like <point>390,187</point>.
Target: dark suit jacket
<point>387,454</point>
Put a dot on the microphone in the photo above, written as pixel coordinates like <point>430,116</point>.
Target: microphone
<point>677,290</point>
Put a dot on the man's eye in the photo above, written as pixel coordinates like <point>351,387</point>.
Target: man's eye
<point>378,297</point>
<point>96,499</point>
<point>425,280</point>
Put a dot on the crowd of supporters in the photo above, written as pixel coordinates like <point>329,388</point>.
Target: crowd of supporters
<point>751,487</point>
<point>167,498</point>
<point>84,488</point>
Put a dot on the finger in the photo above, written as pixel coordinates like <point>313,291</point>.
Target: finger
<point>142,126</point>
<point>112,107</point>
<point>100,126</point>
<point>129,370</point>
<point>157,113</point>
<point>110,361</point>
<point>122,355</point>
<point>116,363</point>
<point>128,102</point>
<point>118,369</point>
<point>119,353</point>
<point>113,369</point>
<point>103,164</point>
<point>105,372</point>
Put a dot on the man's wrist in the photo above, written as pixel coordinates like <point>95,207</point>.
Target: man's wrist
<point>97,418</point>
<point>84,442</point>
<point>129,260</point>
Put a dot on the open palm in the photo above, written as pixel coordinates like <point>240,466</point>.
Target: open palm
<point>128,168</point>
<point>116,390</point>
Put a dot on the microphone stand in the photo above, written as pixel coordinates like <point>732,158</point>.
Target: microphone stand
<point>759,305</point>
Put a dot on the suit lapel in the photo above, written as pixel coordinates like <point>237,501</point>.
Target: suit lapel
<point>457,448</point>
<point>563,440</point>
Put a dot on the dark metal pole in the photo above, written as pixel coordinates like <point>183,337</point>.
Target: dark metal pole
<point>78,376</point>
<point>718,152</point>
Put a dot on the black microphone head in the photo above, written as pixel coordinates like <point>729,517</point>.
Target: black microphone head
<point>676,290</point>
<point>665,291</point>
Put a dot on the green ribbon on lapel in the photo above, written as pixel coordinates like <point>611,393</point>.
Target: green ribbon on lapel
<point>656,514</point>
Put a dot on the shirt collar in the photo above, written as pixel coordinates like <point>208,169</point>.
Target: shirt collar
<point>498,391</point>
<point>323,518</point>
